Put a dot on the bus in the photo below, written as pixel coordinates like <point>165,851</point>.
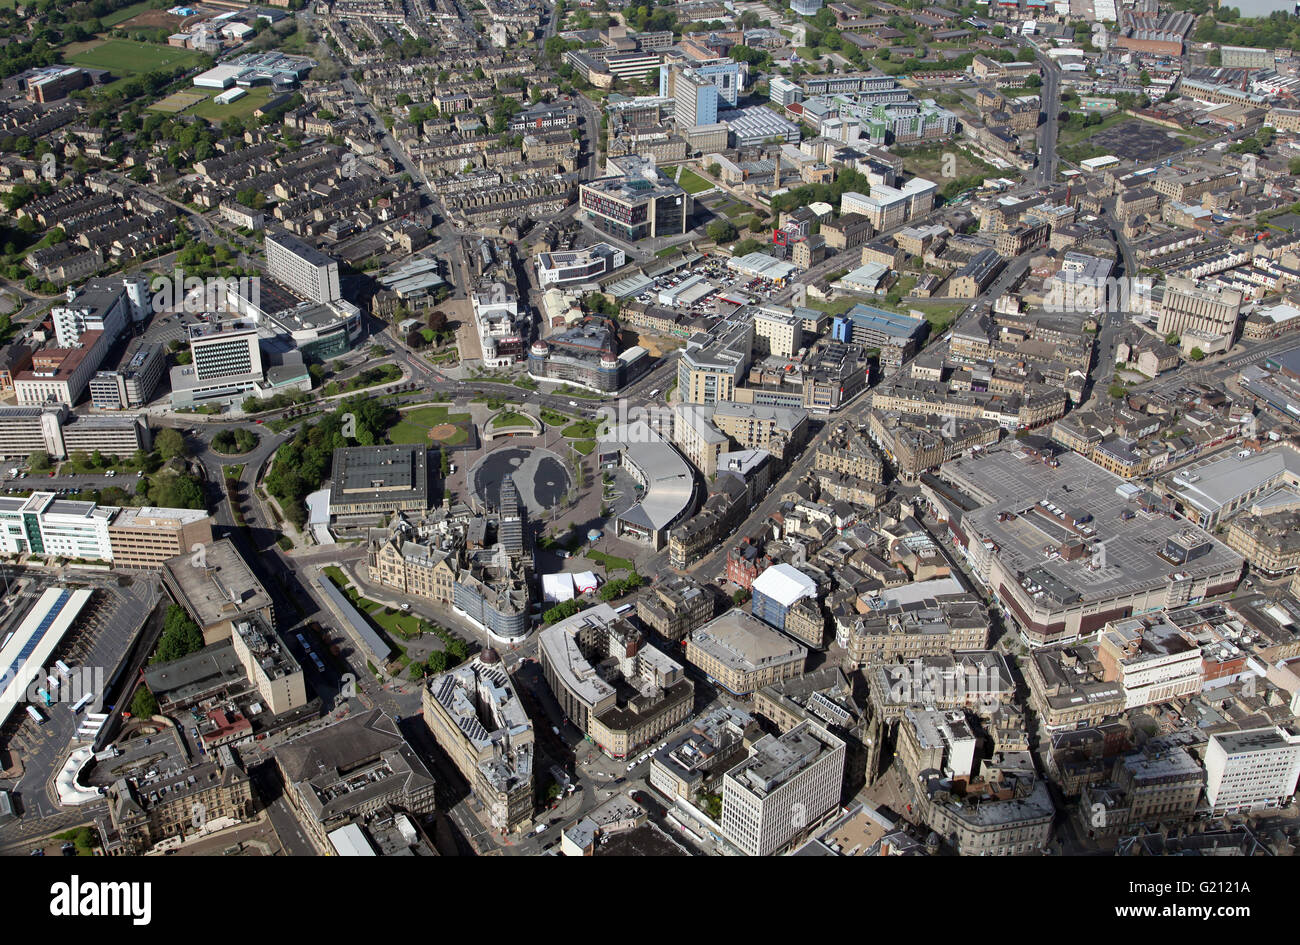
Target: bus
<point>82,702</point>
<point>44,694</point>
<point>36,715</point>
<point>63,667</point>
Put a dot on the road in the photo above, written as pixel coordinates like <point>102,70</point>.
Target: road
<point>1044,172</point>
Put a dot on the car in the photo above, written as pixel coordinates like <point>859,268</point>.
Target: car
<point>260,422</point>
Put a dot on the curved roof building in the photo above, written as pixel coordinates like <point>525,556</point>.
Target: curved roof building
<point>667,482</point>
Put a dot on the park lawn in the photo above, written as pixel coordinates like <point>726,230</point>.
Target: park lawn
<point>412,434</point>
<point>510,418</point>
<point>584,446</point>
<point>554,417</point>
<point>610,562</point>
<point>126,57</point>
<point>432,416</point>
<point>398,625</point>
<point>693,183</point>
<point>580,430</point>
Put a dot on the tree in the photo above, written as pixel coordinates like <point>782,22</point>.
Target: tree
<point>178,492</point>
<point>39,461</point>
<point>721,231</point>
<point>170,443</point>
<point>1196,354</point>
<point>180,637</point>
<point>144,705</point>
<point>1171,339</point>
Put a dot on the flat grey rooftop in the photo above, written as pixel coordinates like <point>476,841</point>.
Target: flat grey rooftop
<point>1013,481</point>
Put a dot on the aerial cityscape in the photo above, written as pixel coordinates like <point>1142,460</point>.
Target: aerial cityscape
<point>650,428</point>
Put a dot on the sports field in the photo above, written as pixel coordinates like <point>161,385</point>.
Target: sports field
<point>244,106</point>
<point>178,102</point>
<point>126,57</point>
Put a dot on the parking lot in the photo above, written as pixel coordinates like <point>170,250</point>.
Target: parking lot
<point>25,484</point>
<point>712,290</point>
<point>1137,141</point>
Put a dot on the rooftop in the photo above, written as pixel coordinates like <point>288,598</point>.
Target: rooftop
<point>774,759</point>
<point>743,642</point>
<point>218,585</point>
<point>1029,509</point>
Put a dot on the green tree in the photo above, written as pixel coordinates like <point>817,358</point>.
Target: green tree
<point>170,443</point>
<point>39,461</point>
<point>180,637</point>
<point>1196,354</point>
<point>144,705</point>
